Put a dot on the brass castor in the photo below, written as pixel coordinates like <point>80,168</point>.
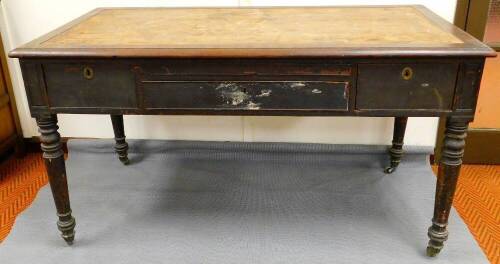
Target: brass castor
<point>390,169</point>
<point>432,251</point>
<point>66,225</point>
<point>438,235</point>
<point>69,240</point>
<point>124,160</point>
<point>395,152</point>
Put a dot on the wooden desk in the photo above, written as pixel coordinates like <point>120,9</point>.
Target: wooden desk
<point>395,61</point>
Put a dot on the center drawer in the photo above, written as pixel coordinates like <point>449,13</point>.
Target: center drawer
<point>246,95</point>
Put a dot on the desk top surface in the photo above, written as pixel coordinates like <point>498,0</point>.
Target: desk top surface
<point>256,32</point>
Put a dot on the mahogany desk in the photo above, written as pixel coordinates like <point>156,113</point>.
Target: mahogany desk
<point>396,61</point>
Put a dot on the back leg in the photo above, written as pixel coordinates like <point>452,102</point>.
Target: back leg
<point>396,151</point>
<point>121,146</point>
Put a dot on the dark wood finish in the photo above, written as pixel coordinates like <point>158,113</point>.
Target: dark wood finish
<point>75,89</point>
<point>449,169</point>
<point>396,150</point>
<point>121,146</point>
<point>425,86</point>
<point>468,87</point>
<point>434,72</point>
<point>56,170</point>
<point>344,93</point>
<point>265,95</point>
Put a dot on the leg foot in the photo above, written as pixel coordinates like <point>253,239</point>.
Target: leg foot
<point>66,225</point>
<point>437,234</point>
<point>432,251</point>
<point>396,151</point>
<point>121,146</point>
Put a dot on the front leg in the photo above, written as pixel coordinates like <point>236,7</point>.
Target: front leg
<point>396,151</point>
<point>449,169</point>
<point>53,156</point>
<point>121,146</point>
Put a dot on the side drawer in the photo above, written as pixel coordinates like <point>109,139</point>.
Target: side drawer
<point>88,85</point>
<point>422,86</point>
<point>246,95</point>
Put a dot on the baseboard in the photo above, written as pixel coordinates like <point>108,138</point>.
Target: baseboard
<point>482,146</point>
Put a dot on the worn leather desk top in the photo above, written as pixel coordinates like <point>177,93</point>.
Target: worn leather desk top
<point>255,32</point>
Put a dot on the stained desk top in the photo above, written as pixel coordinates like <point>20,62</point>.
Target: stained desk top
<point>256,32</point>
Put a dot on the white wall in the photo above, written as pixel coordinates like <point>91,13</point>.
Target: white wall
<point>23,20</point>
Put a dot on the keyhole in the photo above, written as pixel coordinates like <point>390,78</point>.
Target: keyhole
<point>88,73</point>
<point>407,73</point>
<point>245,90</point>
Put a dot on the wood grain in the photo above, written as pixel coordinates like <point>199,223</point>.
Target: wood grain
<point>253,28</point>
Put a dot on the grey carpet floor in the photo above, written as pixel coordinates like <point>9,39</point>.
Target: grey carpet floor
<point>207,202</point>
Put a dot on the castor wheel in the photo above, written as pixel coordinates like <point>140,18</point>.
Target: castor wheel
<point>432,251</point>
<point>124,160</point>
<point>69,241</point>
<point>390,169</point>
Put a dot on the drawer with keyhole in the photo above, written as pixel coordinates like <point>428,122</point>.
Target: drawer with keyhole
<point>90,85</point>
<point>406,86</point>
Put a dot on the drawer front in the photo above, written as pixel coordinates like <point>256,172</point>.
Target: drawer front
<point>244,68</point>
<point>244,95</point>
<point>406,86</point>
<point>87,85</point>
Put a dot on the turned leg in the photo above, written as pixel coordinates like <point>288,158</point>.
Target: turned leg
<point>396,151</point>
<point>53,156</point>
<point>449,168</point>
<point>121,146</point>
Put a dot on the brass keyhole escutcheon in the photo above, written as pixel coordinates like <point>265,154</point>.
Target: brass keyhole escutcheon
<point>88,73</point>
<point>407,73</point>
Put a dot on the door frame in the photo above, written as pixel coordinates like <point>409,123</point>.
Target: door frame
<point>482,145</point>
<point>17,140</point>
